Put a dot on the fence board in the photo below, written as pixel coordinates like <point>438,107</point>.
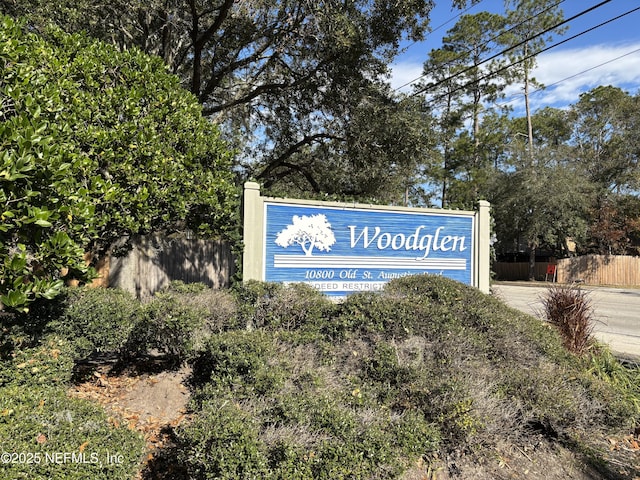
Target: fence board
<point>600,269</point>
<point>623,270</point>
<point>156,261</point>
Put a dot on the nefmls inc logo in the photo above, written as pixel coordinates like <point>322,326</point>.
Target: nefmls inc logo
<point>344,250</point>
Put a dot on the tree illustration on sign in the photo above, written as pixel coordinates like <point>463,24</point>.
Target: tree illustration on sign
<point>309,232</point>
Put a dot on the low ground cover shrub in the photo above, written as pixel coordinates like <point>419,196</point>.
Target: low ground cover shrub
<point>377,386</point>
<point>53,435</point>
<point>218,308</point>
<point>97,321</point>
<point>279,307</point>
<point>45,434</point>
<point>109,322</point>
<point>294,411</point>
<point>241,362</point>
<point>380,382</point>
<point>167,326</point>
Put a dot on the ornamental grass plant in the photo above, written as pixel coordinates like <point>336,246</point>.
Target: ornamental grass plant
<point>568,308</point>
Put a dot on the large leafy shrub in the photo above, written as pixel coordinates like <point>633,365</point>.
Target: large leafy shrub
<point>96,145</point>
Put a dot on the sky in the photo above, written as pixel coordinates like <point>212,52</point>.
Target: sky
<point>607,55</point>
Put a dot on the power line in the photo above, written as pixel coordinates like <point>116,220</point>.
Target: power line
<point>571,38</point>
<point>490,74</point>
<point>445,23</point>
<point>547,30</point>
<point>573,76</point>
<point>453,18</point>
<point>485,43</point>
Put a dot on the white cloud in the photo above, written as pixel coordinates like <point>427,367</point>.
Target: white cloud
<point>565,73</point>
<point>568,73</point>
<point>403,73</point>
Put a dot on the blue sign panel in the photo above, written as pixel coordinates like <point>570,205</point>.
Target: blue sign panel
<point>344,250</point>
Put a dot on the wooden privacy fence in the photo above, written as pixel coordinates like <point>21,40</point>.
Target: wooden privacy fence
<point>155,261</point>
<point>591,269</point>
<point>600,269</point>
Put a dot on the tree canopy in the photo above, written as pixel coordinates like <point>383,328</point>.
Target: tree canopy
<point>551,175</point>
<point>300,91</point>
<point>98,145</point>
<point>284,78</point>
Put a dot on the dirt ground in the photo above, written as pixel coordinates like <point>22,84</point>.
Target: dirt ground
<point>146,402</point>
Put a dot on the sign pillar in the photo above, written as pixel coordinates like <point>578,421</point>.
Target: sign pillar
<point>484,246</point>
<point>253,258</point>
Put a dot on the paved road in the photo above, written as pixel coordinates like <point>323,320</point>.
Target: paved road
<point>616,310</point>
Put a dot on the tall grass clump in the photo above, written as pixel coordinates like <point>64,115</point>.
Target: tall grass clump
<point>568,308</point>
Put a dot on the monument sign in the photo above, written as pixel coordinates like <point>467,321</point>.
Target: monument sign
<point>341,248</point>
